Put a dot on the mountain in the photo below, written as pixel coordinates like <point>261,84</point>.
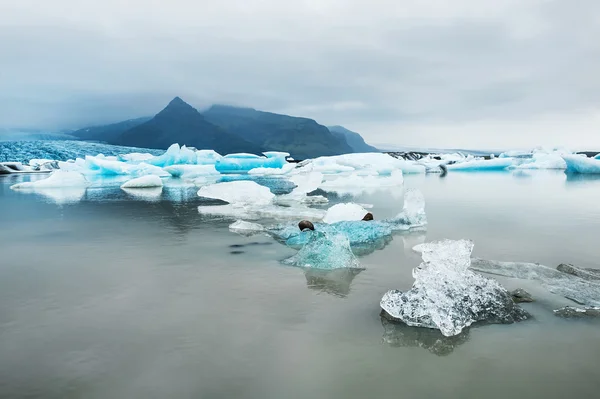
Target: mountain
<point>180,123</point>
<point>302,137</point>
<point>109,133</point>
<point>354,140</point>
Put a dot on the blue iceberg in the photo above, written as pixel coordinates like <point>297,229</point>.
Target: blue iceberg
<point>581,164</point>
<point>242,163</point>
<point>325,251</point>
<point>481,165</point>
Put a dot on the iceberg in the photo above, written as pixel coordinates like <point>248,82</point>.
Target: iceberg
<point>241,192</point>
<point>150,181</point>
<point>135,157</point>
<point>378,163</point>
<point>344,212</point>
<point>175,155</point>
<point>542,161</point>
<point>324,251</point>
<point>570,286</point>
<point>481,165</point>
<point>446,295</point>
<point>242,163</point>
<point>207,157</point>
<point>191,171</point>
<point>284,170</point>
<point>358,183</point>
<point>57,179</point>
<point>246,228</point>
<point>581,164</point>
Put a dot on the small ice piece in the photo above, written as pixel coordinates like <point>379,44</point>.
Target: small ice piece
<point>481,165</point>
<point>191,171</point>
<point>413,213</point>
<point>246,228</point>
<point>342,212</point>
<point>572,287</point>
<point>149,181</point>
<point>447,296</point>
<point>57,179</point>
<point>287,168</point>
<point>581,164</point>
<point>325,251</point>
<point>149,194</point>
<point>239,192</point>
<point>418,248</point>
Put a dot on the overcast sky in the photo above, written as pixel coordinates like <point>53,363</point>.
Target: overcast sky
<point>438,73</point>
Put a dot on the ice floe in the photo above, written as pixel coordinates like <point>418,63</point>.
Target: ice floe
<point>150,181</point>
<point>344,212</point>
<point>242,163</point>
<point>446,295</point>
<point>191,171</point>
<point>242,192</point>
<point>246,228</point>
<point>358,183</point>
<point>284,170</point>
<point>481,165</point>
<point>378,163</point>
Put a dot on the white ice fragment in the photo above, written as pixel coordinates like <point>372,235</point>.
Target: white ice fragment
<point>239,192</point>
<point>413,212</point>
<point>149,181</point>
<point>149,194</point>
<point>345,212</point>
<point>305,183</point>
<point>447,296</point>
<point>57,179</point>
<point>246,228</point>
<point>135,157</point>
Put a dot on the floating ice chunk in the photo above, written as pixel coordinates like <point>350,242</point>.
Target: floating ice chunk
<point>569,286</point>
<point>359,183</point>
<point>481,165</point>
<point>287,168</point>
<point>379,163</point>
<point>175,155</point>
<point>543,161</point>
<point>143,182</point>
<point>191,171</point>
<point>413,213</point>
<point>135,157</point>
<point>597,156</point>
<point>360,233</point>
<point>57,179</point>
<point>150,194</point>
<point>306,183</point>
<point>107,168</point>
<point>449,297</point>
<point>246,228</point>
<point>239,192</point>
<point>242,163</point>
<point>324,251</point>
<point>250,212</point>
<point>581,164</point>
<point>342,212</point>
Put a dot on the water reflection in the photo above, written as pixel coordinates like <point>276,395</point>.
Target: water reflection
<point>581,178</point>
<point>401,335</point>
<point>335,282</point>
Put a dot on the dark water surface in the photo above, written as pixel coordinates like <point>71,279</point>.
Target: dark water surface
<point>106,294</point>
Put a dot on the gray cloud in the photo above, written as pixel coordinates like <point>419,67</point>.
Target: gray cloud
<point>511,73</point>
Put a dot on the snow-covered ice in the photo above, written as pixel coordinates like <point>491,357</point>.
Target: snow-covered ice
<point>446,295</point>
<point>378,163</point>
<point>325,251</point>
<point>57,179</point>
<point>191,171</point>
<point>284,170</point>
<point>246,228</point>
<point>344,212</point>
<point>239,192</point>
<point>149,181</point>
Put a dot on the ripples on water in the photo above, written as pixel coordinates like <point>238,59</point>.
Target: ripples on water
<point>112,294</point>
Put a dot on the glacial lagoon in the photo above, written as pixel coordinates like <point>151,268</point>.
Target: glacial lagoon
<point>113,293</point>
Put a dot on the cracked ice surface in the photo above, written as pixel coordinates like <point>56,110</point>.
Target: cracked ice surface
<point>575,288</point>
<point>325,251</point>
<point>446,295</point>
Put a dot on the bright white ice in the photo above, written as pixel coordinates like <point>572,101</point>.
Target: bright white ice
<point>150,181</point>
<point>344,212</point>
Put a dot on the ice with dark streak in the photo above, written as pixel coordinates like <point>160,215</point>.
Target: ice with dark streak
<point>446,295</point>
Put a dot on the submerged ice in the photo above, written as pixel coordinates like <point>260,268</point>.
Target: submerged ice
<point>324,251</point>
<point>446,295</point>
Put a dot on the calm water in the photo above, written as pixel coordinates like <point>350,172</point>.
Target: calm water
<point>107,295</point>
